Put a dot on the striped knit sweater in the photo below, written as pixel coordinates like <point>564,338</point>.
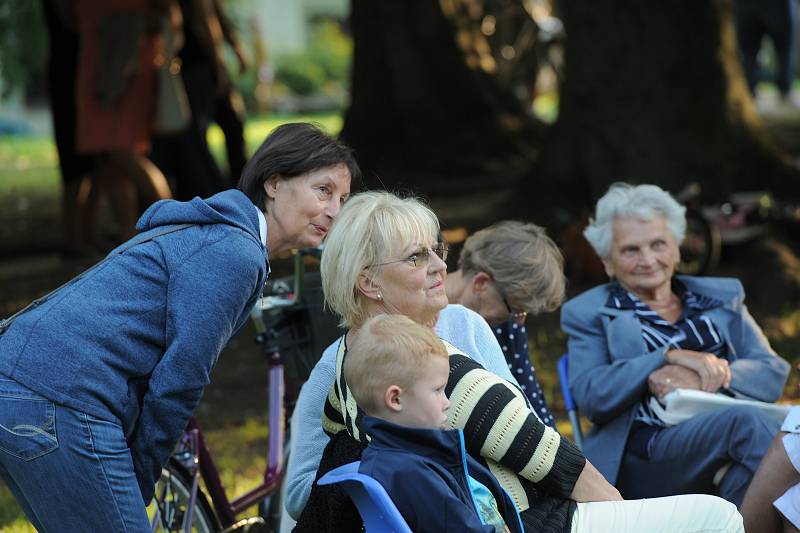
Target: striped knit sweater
<point>530,460</point>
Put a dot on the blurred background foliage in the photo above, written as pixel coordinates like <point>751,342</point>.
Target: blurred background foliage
<point>320,66</point>
<point>23,44</point>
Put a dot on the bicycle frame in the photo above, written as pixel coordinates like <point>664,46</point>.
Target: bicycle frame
<point>198,461</point>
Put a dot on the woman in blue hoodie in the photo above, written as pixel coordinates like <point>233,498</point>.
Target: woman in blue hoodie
<point>98,378</point>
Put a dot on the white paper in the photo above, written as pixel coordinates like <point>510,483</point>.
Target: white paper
<point>683,404</point>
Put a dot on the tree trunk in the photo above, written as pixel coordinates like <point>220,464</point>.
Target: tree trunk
<point>654,93</point>
<point>424,115</point>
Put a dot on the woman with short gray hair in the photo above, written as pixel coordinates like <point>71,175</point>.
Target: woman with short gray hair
<point>644,202</point>
<point>649,332</point>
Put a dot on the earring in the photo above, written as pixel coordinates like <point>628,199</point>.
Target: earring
<point>380,297</point>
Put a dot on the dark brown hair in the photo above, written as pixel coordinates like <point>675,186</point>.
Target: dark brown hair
<point>289,151</point>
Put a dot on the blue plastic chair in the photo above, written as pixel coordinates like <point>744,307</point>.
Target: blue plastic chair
<point>569,402</point>
<point>376,508</point>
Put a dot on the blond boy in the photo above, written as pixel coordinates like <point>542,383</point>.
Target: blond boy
<point>397,371</point>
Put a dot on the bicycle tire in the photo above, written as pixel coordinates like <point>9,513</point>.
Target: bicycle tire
<point>172,497</point>
<point>701,246</point>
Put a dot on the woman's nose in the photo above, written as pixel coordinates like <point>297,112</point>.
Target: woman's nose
<point>333,207</point>
<point>647,256</point>
<point>436,263</point>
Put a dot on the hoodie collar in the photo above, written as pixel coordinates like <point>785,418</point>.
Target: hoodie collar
<point>444,444</point>
<point>262,226</point>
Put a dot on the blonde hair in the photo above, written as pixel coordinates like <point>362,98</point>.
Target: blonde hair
<point>524,262</point>
<point>645,202</point>
<point>371,227</point>
<point>388,350</point>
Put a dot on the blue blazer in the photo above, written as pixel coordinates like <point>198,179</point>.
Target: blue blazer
<point>609,363</point>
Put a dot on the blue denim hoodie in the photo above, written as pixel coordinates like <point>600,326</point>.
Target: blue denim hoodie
<point>134,340</point>
<point>425,472</point>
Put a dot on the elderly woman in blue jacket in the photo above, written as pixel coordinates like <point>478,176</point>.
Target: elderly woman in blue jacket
<point>648,332</point>
<point>98,379</point>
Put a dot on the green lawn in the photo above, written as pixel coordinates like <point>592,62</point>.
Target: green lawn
<point>30,163</point>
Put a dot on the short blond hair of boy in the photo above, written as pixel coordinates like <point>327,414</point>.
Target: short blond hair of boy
<point>388,350</point>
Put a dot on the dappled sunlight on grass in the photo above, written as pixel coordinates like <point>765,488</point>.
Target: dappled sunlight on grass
<point>783,332</point>
<point>240,454</point>
<point>257,129</point>
<point>783,327</point>
<point>12,520</point>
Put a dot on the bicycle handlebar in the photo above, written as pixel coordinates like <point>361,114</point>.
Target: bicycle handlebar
<point>290,299</point>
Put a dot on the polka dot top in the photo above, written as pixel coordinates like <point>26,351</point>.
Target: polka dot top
<point>513,339</point>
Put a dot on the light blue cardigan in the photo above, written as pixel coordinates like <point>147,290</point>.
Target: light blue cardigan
<point>609,364</point>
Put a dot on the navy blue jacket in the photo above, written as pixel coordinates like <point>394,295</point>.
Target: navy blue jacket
<point>133,341</point>
<point>425,472</point>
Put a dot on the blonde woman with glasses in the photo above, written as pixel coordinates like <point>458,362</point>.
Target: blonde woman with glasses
<point>382,256</point>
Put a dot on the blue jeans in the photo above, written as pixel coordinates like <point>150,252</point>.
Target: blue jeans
<point>69,471</point>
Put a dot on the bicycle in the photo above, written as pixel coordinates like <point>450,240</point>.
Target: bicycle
<point>283,321</point>
<point>745,217</point>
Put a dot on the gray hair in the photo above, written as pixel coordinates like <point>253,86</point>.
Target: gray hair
<point>524,262</point>
<point>645,202</point>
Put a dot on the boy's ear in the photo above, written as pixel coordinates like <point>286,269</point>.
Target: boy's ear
<point>366,284</point>
<point>392,398</point>
<point>480,281</point>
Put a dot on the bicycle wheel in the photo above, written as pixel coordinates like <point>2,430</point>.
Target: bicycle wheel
<point>169,508</point>
<point>701,246</point>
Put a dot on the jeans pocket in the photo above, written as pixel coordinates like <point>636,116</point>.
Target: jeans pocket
<point>27,423</point>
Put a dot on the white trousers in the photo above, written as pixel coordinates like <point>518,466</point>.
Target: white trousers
<point>689,513</point>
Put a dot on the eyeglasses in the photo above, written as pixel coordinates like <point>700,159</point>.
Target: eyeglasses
<point>518,317</point>
<point>420,258</point>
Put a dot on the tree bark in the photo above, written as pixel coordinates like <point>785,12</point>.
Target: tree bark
<point>423,114</point>
<point>654,93</point>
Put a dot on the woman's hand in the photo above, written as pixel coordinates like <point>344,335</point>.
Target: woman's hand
<point>591,486</point>
<point>714,372</point>
<point>670,377</point>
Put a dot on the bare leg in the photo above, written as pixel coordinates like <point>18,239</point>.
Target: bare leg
<point>147,177</point>
<point>121,193</point>
<point>774,477</point>
<point>90,199</point>
<point>122,175</point>
<point>72,207</point>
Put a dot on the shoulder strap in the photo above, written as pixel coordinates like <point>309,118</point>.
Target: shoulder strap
<point>122,248</point>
